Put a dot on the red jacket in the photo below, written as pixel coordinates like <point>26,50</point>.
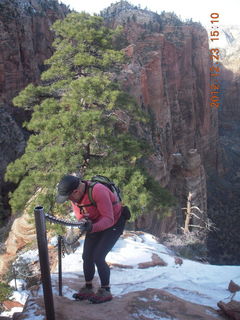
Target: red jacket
<point>105,214</point>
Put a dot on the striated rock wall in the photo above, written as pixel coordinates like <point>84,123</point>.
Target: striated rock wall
<point>25,42</point>
<point>229,97</point>
<point>22,232</point>
<point>229,51</point>
<point>224,190</point>
<point>168,73</point>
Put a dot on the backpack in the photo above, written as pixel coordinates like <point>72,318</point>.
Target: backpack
<point>106,182</point>
<point>112,187</point>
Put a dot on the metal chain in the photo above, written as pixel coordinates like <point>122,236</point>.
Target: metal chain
<point>53,219</point>
<point>63,248</point>
<point>75,239</point>
<point>72,224</point>
<point>66,244</point>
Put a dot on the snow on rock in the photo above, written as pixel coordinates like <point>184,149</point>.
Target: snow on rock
<point>18,284</point>
<point>172,291</point>
<point>146,305</point>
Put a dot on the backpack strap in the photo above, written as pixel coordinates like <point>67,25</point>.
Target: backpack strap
<point>90,190</point>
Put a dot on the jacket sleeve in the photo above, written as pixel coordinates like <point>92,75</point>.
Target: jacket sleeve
<point>102,197</point>
<point>77,212</point>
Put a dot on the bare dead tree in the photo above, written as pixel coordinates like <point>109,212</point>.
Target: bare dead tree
<point>189,213</point>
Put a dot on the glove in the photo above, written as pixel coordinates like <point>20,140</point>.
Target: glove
<point>86,226</point>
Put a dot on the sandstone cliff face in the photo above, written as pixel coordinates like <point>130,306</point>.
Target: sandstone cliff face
<point>12,143</point>
<point>25,42</point>
<point>22,232</point>
<point>229,49</point>
<point>168,74</point>
<point>224,191</point>
<point>229,113</point>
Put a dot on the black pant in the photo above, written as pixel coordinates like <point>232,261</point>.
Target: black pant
<point>96,247</point>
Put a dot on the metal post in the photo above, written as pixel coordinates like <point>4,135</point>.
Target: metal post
<point>60,265</point>
<point>15,277</point>
<point>44,262</point>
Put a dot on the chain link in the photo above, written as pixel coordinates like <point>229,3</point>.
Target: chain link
<point>63,248</point>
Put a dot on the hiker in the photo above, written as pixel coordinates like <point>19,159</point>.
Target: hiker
<point>104,223</point>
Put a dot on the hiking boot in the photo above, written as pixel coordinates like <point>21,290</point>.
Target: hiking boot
<point>101,296</point>
<point>83,294</point>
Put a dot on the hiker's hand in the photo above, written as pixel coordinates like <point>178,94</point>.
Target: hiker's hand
<point>86,226</point>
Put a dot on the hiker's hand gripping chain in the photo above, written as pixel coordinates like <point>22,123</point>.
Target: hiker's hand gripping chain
<point>86,226</point>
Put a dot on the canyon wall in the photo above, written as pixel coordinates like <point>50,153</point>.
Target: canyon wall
<point>168,73</point>
<point>230,74</point>
<point>224,189</point>
<point>25,42</point>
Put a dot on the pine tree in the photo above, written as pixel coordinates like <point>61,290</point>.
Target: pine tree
<point>79,116</point>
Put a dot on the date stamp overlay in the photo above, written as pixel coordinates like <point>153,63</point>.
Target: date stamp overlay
<point>214,61</point>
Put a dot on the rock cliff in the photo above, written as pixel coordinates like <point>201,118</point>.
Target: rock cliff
<point>230,74</point>
<point>22,232</point>
<point>168,73</point>
<point>12,143</point>
<point>224,190</point>
<point>25,42</point>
